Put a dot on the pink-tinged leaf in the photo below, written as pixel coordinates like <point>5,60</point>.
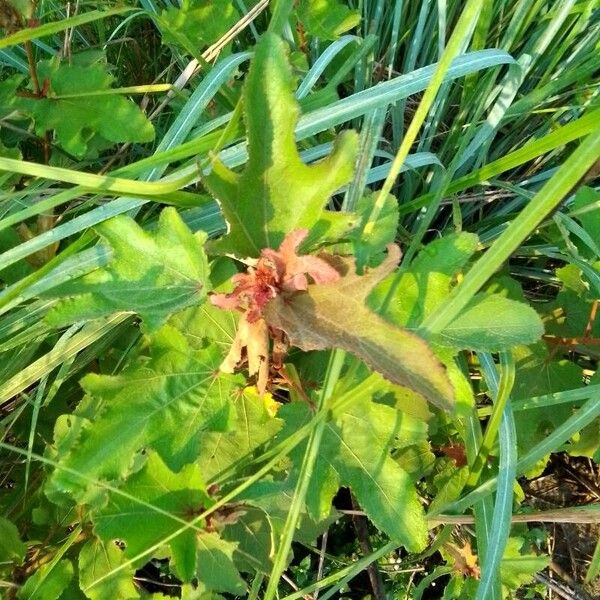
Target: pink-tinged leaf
<point>254,337</point>
<point>292,269</point>
<point>335,316</point>
<point>275,272</point>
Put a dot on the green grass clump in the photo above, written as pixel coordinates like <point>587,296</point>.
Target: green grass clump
<point>218,377</point>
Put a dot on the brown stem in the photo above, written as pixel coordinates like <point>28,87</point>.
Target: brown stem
<point>33,69</point>
<point>362,532</point>
<point>590,324</point>
<point>571,341</point>
<point>38,90</point>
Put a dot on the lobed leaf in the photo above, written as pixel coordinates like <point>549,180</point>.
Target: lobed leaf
<point>276,193</point>
<point>183,495</point>
<point>163,402</point>
<point>94,122</point>
<point>139,526</point>
<point>355,452</point>
<point>335,316</point>
<point>151,274</point>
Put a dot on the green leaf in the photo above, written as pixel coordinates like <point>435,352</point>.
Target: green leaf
<point>448,482</point>
<point>253,533</point>
<point>180,494</point>
<point>98,559</point>
<point>274,498</point>
<point>517,568</point>
<point>140,526</point>
<point>334,315</point>
<point>427,283</point>
<point>536,375</point>
<point>326,19</point>
<point>197,23</point>
<point>276,193</point>
<point>163,402</point>
<point>8,94</point>
<point>253,426</point>
<point>370,245</point>
<point>215,566</point>
<point>417,460</point>
<point>48,582</point>
<point>11,546</point>
<point>113,118</point>
<point>151,274</point>
<point>568,315</point>
<point>587,204</point>
<point>490,323</point>
<point>355,452</point>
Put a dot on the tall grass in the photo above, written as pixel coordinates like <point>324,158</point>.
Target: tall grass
<point>493,139</point>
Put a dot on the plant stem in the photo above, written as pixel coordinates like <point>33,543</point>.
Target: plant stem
<point>362,532</point>
<point>281,14</point>
<point>336,363</point>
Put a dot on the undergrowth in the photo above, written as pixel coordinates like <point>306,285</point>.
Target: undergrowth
<point>298,297</point>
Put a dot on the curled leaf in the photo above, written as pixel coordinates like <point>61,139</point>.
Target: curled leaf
<point>275,271</point>
<point>335,315</point>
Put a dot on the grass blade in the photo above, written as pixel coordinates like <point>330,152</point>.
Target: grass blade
<point>507,468</point>
<point>546,200</point>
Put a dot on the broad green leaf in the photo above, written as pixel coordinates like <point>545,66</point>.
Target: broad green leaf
<point>448,484</point>
<point>490,323</point>
<point>538,374</point>
<point>253,426</point>
<point>180,494</point>
<point>76,115</point>
<point>48,582</point>
<point>197,23</point>
<point>254,535</point>
<point>11,546</point>
<point>215,567</point>
<point>355,452</point>
<point>203,555</point>
<point>98,558</point>
<point>370,245</point>
<point>518,568</point>
<point>326,19</point>
<point>426,284</point>
<point>587,205</point>
<point>152,274</point>
<point>274,498</point>
<point>163,402</point>
<point>587,441</point>
<point>381,487</point>
<point>568,315</point>
<point>206,322</point>
<point>417,460</point>
<point>335,315</point>
<point>8,91</point>
<point>276,193</point>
